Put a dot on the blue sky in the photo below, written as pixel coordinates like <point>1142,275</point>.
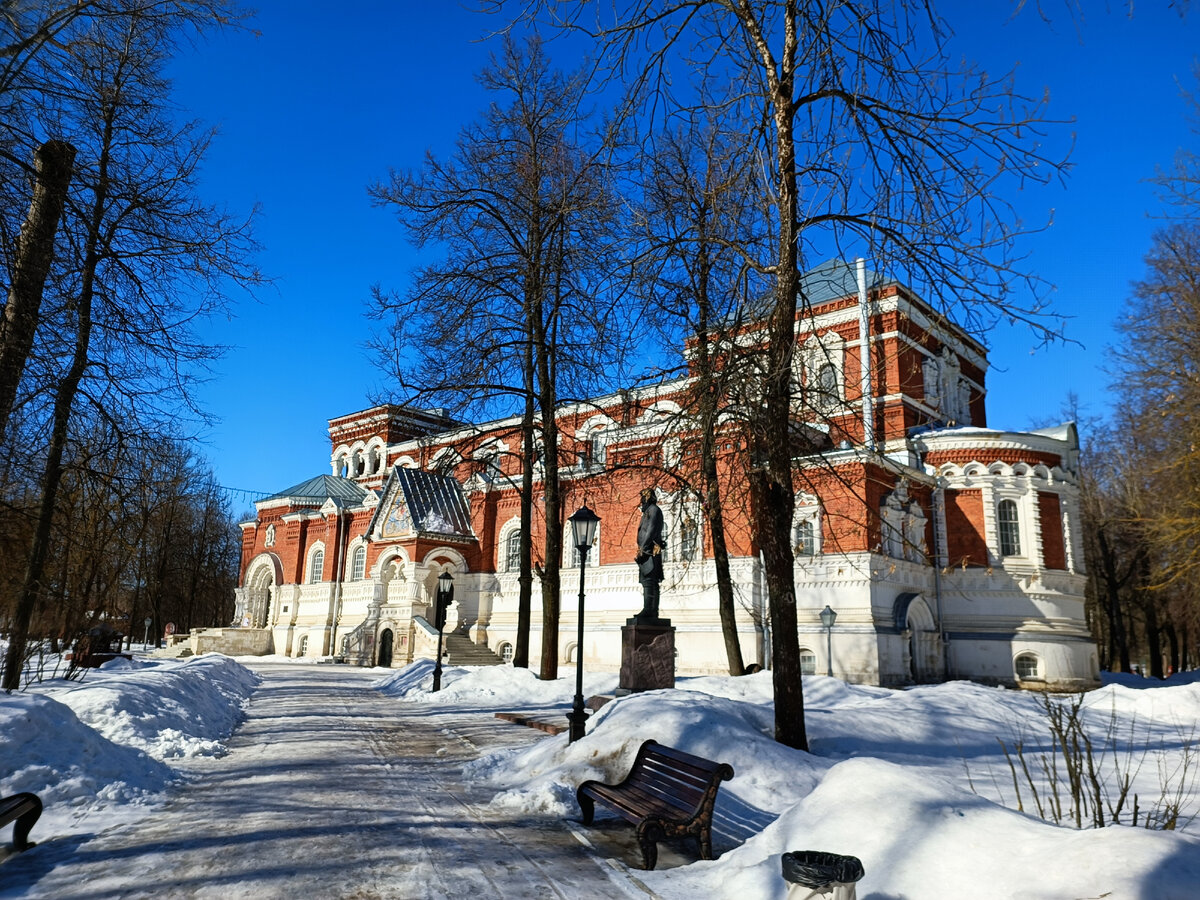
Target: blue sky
<point>324,99</point>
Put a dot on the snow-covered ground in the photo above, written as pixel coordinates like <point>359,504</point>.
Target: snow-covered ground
<point>915,783</point>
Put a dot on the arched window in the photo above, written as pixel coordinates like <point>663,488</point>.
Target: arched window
<point>569,656</point>
<point>806,526</point>
<point>505,652</point>
<point>358,563</point>
<point>1008,524</point>
<point>826,387</point>
<point>316,566</point>
<point>1027,665</point>
<point>805,544</point>
<point>808,662</point>
<point>512,551</point>
<point>302,649</point>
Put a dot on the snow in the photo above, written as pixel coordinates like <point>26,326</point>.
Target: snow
<point>915,782</point>
<point>100,745</point>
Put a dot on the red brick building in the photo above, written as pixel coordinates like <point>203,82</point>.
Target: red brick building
<point>947,549</point>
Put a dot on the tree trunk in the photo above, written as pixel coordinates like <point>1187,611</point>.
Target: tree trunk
<point>1120,642</point>
<point>708,391</point>
<point>31,589</point>
<point>53,163</point>
<point>1153,639</point>
<point>771,484</point>
<point>525,578</point>
<point>552,565</point>
<point>726,607</point>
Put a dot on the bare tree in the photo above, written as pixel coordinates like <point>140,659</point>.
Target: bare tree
<point>40,42</point>
<point>872,142</point>
<point>513,311</point>
<point>700,224</point>
<point>139,251</point>
<point>1146,510</point>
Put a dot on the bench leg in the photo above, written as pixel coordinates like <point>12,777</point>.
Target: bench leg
<point>704,837</point>
<point>587,807</point>
<point>25,822</point>
<point>648,836</point>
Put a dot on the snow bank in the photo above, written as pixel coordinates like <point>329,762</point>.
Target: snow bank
<point>46,749</point>
<point>100,745</point>
<point>489,686</point>
<point>169,709</point>
<point>893,780</point>
<point>541,779</point>
<point>926,837</point>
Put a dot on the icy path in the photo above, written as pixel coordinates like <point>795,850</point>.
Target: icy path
<point>329,790</point>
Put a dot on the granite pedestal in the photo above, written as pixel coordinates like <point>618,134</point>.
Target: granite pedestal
<point>647,655</point>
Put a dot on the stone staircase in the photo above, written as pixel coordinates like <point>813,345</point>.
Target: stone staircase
<point>462,651</point>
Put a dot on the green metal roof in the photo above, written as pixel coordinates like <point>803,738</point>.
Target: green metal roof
<point>322,488</point>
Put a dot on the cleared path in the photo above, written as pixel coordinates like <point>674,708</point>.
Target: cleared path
<point>330,790</point>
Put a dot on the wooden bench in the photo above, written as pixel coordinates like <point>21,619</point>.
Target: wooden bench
<point>24,809</point>
<point>668,793</point>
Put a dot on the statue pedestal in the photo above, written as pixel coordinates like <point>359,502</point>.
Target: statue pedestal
<point>647,656</point>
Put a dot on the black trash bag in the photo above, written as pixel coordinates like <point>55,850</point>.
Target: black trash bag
<point>815,869</point>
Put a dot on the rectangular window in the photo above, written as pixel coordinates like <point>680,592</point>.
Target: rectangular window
<point>593,552</point>
<point>1009,527</point>
<point>688,539</point>
<point>512,556</point>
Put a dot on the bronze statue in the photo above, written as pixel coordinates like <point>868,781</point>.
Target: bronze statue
<point>649,556</point>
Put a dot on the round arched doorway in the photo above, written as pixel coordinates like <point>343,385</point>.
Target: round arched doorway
<point>386,640</point>
<point>922,642</point>
<point>259,589</point>
<point>915,621</point>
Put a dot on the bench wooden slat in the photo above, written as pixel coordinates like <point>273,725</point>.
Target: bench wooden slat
<point>667,793</point>
<point>642,804</point>
<point>684,800</point>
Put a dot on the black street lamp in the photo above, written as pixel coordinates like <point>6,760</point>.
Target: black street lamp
<point>828,617</point>
<point>583,533</point>
<point>445,596</point>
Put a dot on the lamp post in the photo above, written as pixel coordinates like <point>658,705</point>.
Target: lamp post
<point>445,596</point>
<point>583,533</point>
<point>828,617</point>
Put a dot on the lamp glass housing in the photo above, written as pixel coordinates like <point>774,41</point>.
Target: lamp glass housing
<point>583,527</point>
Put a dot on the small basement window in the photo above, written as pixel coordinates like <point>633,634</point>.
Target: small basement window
<point>808,662</point>
<point>1028,667</point>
